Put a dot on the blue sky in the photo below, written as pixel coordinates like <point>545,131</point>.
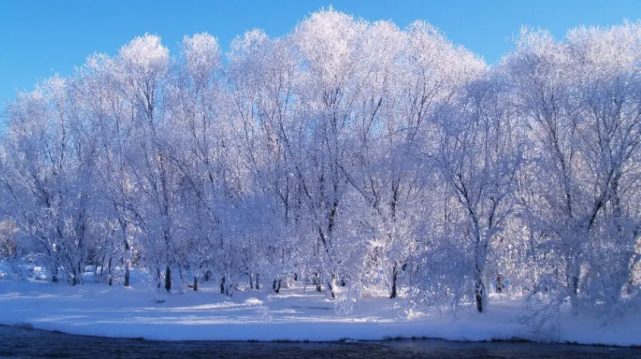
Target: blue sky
<point>41,38</point>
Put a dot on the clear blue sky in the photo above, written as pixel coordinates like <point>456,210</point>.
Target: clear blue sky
<point>41,38</point>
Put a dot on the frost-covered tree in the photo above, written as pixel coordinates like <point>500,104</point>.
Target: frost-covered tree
<point>478,157</point>
<point>48,170</point>
<point>579,100</point>
<point>356,156</point>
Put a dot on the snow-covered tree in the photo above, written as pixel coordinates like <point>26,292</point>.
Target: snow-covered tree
<point>350,154</point>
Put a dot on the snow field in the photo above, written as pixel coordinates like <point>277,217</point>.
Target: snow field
<point>294,314</point>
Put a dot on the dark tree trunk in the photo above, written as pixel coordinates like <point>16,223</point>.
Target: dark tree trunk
<point>109,272</point>
<point>222,286</point>
<point>276,285</point>
<point>499,284</point>
<point>574,283</point>
<point>251,281</point>
<point>159,278</point>
<point>168,279</point>
<point>257,281</point>
<point>126,275</point>
<point>479,302</point>
<point>479,294</point>
<point>317,280</point>
<point>126,261</point>
<point>394,277</point>
<point>195,284</point>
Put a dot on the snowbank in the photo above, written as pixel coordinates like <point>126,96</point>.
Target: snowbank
<point>294,314</point>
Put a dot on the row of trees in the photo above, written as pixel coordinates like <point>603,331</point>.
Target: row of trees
<point>350,154</point>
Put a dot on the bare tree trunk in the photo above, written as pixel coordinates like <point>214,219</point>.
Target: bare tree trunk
<point>126,274</point>
<point>102,267</point>
<point>479,291</point>
<point>109,272</point>
<point>168,279</point>
<point>317,281</point>
<point>394,277</point>
<point>195,284</point>
<point>128,253</point>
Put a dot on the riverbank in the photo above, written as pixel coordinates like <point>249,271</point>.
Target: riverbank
<point>27,343</point>
<point>295,314</point>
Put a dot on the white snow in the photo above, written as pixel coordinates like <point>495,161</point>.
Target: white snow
<point>294,314</point>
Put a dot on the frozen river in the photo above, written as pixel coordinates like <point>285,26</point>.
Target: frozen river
<point>30,343</point>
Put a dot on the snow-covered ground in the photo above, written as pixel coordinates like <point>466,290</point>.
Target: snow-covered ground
<point>294,314</point>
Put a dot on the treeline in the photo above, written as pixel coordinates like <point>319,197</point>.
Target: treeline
<point>354,155</point>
